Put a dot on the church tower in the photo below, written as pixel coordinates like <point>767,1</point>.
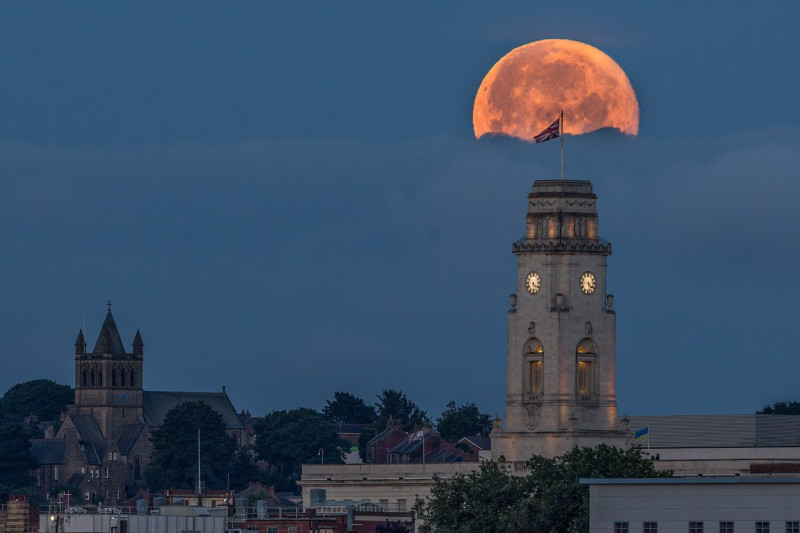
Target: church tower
<point>108,380</point>
<point>561,331</point>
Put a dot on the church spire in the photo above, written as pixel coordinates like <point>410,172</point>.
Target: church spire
<point>109,340</point>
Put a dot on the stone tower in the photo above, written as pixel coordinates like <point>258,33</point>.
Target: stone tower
<point>108,380</point>
<point>561,330</point>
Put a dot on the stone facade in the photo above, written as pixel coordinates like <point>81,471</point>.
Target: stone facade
<point>104,443</point>
<point>561,331</point>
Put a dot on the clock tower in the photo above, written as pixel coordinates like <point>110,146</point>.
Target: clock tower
<point>561,331</point>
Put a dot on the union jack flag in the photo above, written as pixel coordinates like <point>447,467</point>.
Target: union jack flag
<point>551,132</point>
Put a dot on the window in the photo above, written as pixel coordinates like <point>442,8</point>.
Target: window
<point>112,456</point>
<point>650,527</point>
<point>726,527</point>
<point>534,377</point>
<point>620,527</point>
<point>586,354</point>
<point>695,527</point>
<point>762,527</point>
<point>106,472</point>
<point>55,474</point>
<point>272,530</point>
<point>792,527</point>
<point>291,529</point>
<point>401,505</point>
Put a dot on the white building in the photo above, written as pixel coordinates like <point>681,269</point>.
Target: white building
<point>694,505</point>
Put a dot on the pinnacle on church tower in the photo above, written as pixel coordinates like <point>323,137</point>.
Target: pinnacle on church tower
<point>561,330</point>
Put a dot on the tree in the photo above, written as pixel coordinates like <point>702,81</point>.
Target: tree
<point>16,461</point>
<point>473,502</point>
<point>781,408</point>
<point>288,439</point>
<point>349,409</point>
<point>463,421</point>
<point>548,499</point>
<point>174,463</point>
<point>243,470</point>
<point>43,397</point>
<point>393,403</point>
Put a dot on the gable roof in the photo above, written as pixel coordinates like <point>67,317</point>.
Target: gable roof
<point>156,405</point>
<point>49,451</point>
<point>480,442</point>
<point>87,427</point>
<point>128,437</point>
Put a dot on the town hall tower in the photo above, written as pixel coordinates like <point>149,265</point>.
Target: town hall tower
<point>561,331</point>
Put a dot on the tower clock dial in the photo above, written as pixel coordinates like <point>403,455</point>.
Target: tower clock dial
<point>533,282</point>
<point>588,282</point>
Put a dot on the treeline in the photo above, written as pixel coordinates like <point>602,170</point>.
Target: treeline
<point>284,440</point>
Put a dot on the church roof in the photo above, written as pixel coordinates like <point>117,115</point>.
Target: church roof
<point>109,341</point>
<point>128,437</point>
<point>156,405</point>
<point>719,431</point>
<point>87,427</point>
<point>49,451</point>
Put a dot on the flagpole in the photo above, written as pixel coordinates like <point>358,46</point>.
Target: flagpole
<point>561,135</point>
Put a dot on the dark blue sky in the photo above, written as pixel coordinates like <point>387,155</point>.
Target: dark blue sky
<point>287,199</point>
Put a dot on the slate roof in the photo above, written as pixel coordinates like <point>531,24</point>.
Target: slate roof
<point>127,437</point>
<point>718,431</point>
<point>49,451</point>
<point>156,405</point>
<point>109,341</point>
<point>87,427</point>
<point>482,443</point>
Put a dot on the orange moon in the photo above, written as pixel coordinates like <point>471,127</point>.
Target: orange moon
<point>528,88</point>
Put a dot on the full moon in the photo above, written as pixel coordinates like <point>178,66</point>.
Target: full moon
<point>528,88</point>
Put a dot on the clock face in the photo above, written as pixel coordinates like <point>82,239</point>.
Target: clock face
<point>588,282</point>
<point>533,282</point>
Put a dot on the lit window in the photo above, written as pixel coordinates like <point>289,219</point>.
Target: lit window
<point>762,527</point>
<point>620,527</point>
<point>695,527</point>
<point>792,527</point>
<point>727,527</point>
<point>650,527</point>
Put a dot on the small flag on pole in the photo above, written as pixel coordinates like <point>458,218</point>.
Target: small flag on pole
<point>553,131</point>
<point>641,434</point>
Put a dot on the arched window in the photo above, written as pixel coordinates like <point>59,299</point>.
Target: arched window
<point>133,378</point>
<point>585,375</point>
<point>122,377</point>
<point>533,368</point>
<point>113,377</point>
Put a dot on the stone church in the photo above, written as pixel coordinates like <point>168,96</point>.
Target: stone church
<point>104,442</point>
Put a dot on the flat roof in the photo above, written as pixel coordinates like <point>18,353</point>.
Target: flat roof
<point>699,480</point>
